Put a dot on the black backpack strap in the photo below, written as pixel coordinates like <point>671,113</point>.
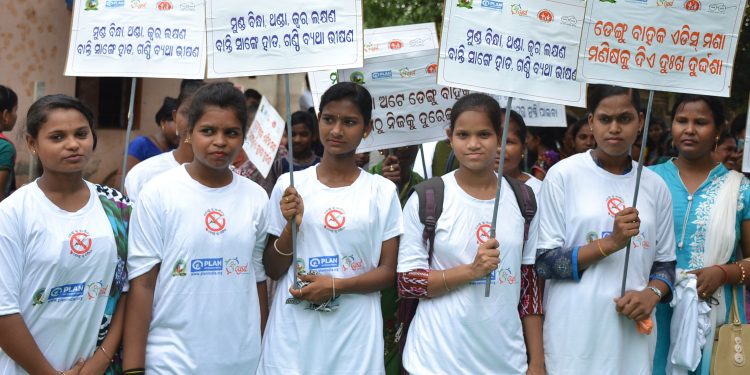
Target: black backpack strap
<point>430,194</point>
<point>526,202</point>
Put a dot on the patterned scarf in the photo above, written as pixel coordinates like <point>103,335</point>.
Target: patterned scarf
<point>117,207</point>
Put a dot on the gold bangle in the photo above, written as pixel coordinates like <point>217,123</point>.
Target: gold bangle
<point>600,249</point>
<point>109,357</point>
<point>744,274</point>
<point>445,283</point>
<point>279,251</point>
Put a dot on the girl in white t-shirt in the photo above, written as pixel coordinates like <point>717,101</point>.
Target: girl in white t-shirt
<point>584,223</point>
<point>63,246</point>
<point>456,329</point>
<point>349,222</point>
<point>198,293</point>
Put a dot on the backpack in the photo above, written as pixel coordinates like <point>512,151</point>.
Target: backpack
<point>431,194</point>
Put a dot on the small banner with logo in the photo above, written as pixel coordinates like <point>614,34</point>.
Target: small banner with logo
<point>382,41</point>
<point>277,37</point>
<point>669,45</point>
<point>409,107</point>
<point>526,49</point>
<point>263,137</point>
<point>138,38</point>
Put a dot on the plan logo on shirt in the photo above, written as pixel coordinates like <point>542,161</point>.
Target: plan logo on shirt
<point>334,219</point>
<point>179,268</point>
<point>97,289</point>
<point>328,263</point>
<point>483,232</point>
<point>206,266</point>
<point>233,267</point>
<point>351,263</point>
<point>215,221</point>
<point>80,243</point>
<point>68,292</point>
<point>615,205</point>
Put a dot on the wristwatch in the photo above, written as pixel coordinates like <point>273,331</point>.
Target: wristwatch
<point>656,291</point>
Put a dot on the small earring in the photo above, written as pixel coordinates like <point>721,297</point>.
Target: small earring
<point>187,140</point>
<point>716,144</point>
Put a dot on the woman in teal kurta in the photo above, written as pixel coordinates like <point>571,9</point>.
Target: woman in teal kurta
<point>694,181</point>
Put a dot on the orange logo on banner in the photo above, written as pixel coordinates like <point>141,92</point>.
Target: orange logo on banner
<point>334,219</point>
<point>215,221</point>
<point>545,15</point>
<point>693,5</point>
<point>395,44</point>
<point>80,243</point>
<point>483,233</point>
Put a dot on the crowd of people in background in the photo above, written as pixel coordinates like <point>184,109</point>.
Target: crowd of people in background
<point>191,269</point>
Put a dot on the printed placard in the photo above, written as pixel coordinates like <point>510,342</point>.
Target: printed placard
<point>408,106</point>
<point>537,113</point>
<point>138,38</point>
<point>522,48</point>
<point>671,45</point>
<point>263,137</point>
<point>286,36</point>
<point>382,41</point>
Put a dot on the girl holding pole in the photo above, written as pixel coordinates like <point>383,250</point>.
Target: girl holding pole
<point>584,224</point>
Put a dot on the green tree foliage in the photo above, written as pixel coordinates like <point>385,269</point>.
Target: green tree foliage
<point>741,78</point>
<point>382,13</point>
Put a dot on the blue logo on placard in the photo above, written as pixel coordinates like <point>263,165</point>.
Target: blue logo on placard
<point>115,3</point>
<point>384,74</point>
<point>324,263</point>
<point>493,4</point>
<point>66,292</point>
<point>199,266</point>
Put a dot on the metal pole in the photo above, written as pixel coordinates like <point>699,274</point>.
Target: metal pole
<point>638,180</point>
<point>290,159</point>
<point>506,124</point>
<point>131,108</point>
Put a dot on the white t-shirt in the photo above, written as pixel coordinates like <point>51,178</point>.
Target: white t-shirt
<point>209,241</point>
<point>583,334</point>
<point>341,235</point>
<point>146,170</point>
<point>535,184</point>
<point>463,332</point>
<point>56,269</point>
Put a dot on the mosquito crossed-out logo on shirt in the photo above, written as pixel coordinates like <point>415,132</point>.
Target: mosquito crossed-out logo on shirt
<point>215,221</point>
<point>80,243</point>
<point>615,204</point>
<point>482,232</point>
<point>334,219</point>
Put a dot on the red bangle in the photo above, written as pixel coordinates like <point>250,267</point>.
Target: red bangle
<point>726,275</point>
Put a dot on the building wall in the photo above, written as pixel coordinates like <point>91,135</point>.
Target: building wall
<point>35,40</point>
